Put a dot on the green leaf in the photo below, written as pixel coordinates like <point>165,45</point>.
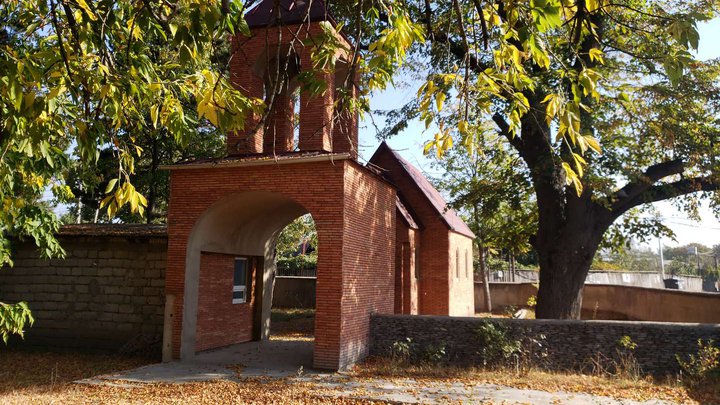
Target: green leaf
<point>111,185</point>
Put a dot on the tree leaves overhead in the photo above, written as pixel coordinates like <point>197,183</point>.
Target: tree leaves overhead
<point>84,75</point>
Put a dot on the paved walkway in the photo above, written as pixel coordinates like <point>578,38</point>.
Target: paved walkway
<point>293,360</point>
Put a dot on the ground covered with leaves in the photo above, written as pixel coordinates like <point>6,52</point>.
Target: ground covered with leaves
<point>638,389</point>
<point>46,376</point>
<point>28,377</point>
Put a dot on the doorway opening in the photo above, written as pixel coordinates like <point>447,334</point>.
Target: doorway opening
<point>293,303</point>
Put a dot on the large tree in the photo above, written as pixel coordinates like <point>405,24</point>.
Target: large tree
<point>603,101</point>
<point>127,77</point>
<point>492,193</point>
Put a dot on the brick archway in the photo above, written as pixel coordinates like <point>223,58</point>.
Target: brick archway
<point>239,210</point>
<point>238,225</point>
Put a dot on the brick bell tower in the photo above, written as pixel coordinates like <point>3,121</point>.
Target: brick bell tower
<point>270,64</point>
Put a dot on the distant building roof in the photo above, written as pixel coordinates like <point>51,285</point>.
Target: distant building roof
<point>113,230</point>
<point>290,12</point>
<point>449,216</point>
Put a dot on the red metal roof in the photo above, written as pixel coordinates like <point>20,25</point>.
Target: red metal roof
<point>436,200</point>
<point>290,12</point>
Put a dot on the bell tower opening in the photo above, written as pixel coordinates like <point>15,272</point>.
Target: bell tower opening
<point>274,63</point>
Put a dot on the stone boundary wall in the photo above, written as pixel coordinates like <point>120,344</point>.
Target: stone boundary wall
<point>570,344</point>
<point>107,294</point>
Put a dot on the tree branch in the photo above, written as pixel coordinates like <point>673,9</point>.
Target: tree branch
<point>626,195</point>
<point>515,141</point>
<point>679,188</point>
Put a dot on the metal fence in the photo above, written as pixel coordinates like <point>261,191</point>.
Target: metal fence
<point>296,272</point>
<point>520,276</point>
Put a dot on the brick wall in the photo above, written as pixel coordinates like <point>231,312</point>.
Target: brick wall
<point>406,282</point>
<point>570,344</point>
<point>368,258</point>
<point>353,212</point>
<point>108,293</point>
<point>461,276</point>
<point>220,322</point>
<point>433,247</point>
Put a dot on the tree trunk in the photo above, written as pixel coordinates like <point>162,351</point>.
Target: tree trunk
<point>484,277</point>
<point>512,267</point>
<point>481,258</point>
<point>562,277</point>
<point>565,258</point>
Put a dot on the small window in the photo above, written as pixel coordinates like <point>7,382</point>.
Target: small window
<point>240,281</point>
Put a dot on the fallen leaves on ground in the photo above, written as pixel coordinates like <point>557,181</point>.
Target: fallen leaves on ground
<point>44,377</point>
<point>28,368</point>
<point>219,392</point>
<point>608,386</point>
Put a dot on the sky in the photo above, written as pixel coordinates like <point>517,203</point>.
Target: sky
<point>410,143</point>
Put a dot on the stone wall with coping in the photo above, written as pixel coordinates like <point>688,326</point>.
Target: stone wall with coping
<point>570,344</point>
<point>108,293</point>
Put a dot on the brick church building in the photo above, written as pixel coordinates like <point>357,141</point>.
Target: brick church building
<point>387,243</point>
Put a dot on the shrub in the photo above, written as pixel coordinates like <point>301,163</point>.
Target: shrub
<point>299,262</point>
<point>400,350</point>
<point>496,343</point>
<point>435,354</point>
<point>627,365</point>
<point>702,366</point>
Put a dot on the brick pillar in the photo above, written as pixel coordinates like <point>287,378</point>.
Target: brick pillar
<point>316,112</point>
<point>345,128</point>
<point>245,53</point>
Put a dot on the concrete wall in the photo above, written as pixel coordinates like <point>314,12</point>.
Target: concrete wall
<point>617,302</point>
<point>570,344</point>
<point>642,279</point>
<point>650,304</point>
<point>294,292</point>
<point>650,279</point>
<point>504,295</point>
<point>108,293</point>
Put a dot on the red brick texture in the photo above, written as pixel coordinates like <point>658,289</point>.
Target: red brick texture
<point>220,322</point>
<point>368,258</point>
<point>462,293</point>
<point>406,286</point>
<point>439,292</point>
<point>353,211</point>
<point>323,127</point>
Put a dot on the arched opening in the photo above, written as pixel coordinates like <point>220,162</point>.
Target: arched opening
<point>231,270</point>
<point>293,306</point>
